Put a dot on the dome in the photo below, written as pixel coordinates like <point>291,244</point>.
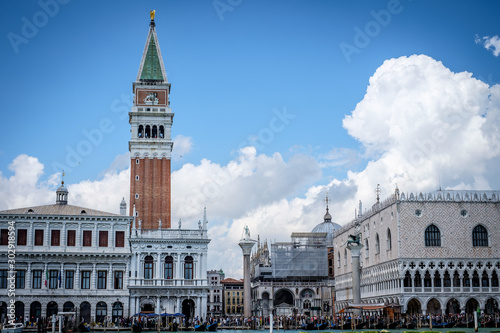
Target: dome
<point>62,195</point>
<point>327,226</point>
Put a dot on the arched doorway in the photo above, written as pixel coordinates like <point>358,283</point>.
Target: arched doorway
<point>19,306</point>
<point>283,302</point>
<point>3,311</point>
<point>306,296</point>
<point>414,306</point>
<point>188,308</point>
<point>35,311</point>
<point>101,311</point>
<point>453,306</point>
<point>471,306</point>
<point>147,307</point>
<point>433,307</point>
<point>265,304</point>
<point>85,312</point>
<point>68,307</point>
<point>491,306</point>
<point>117,313</point>
<point>51,309</point>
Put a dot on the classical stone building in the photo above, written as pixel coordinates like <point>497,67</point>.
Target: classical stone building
<point>429,253</point>
<point>108,266</point>
<point>293,277</point>
<point>68,258</point>
<point>215,293</point>
<point>169,266</point>
<point>233,297</point>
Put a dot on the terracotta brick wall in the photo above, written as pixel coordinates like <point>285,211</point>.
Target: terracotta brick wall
<point>154,191</point>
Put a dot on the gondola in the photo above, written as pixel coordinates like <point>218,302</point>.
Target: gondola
<point>321,326</point>
<point>361,325</point>
<point>346,326</point>
<point>377,326</point>
<point>212,327</point>
<point>393,325</point>
<point>200,328</point>
<point>136,328</point>
<point>490,323</point>
<point>309,327</point>
<point>443,325</point>
<point>463,325</point>
<point>411,325</point>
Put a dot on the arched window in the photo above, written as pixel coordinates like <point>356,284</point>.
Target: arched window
<point>345,257</point>
<point>140,133</point>
<point>479,236</point>
<point>155,132</point>
<point>389,239</point>
<point>68,307</point>
<point>117,311</point>
<point>307,304</point>
<point>19,309</point>
<point>162,131</point>
<point>407,280</point>
<point>377,244</point>
<point>367,248</point>
<point>169,267</point>
<point>148,132</point>
<point>432,236</point>
<point>148,267</point>
<point>188,268</point>
<point>35,310</point>
<point>101,311</point>
<point>338,259</point>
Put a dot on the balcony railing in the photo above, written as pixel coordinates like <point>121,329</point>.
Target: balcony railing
<point>168,282</point>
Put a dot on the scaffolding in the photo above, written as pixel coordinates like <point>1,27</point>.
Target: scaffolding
<point>304,256</point>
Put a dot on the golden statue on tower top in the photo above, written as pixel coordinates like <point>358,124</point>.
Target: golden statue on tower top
<point>152,14</point>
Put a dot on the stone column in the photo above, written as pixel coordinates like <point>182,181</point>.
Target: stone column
<point>30,241</point>
<point>110,277</point>
<point>355,249</point>
<point>77,277</point>
<point>28,277</point>
<point>246,245</point>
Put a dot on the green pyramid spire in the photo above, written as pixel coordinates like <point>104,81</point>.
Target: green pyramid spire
<point>151,69</point>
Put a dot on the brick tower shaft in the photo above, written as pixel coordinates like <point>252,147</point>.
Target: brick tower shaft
<point>151,145</point>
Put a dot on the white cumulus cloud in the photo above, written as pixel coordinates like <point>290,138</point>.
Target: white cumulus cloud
<point>420,124</point>
<point>489,43</point>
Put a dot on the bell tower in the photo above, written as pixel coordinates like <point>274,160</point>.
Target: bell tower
<point>151,144</point>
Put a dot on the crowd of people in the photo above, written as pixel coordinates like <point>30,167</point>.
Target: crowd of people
<point>279,322</point>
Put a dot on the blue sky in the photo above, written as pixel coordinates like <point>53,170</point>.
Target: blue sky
<point>234,66</point>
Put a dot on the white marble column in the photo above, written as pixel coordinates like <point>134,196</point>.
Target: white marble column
<point>63,236</point>
<point>28,277</point>
<point>158,269</point>
<point>110,277</point>
<point>79,236</point>
<point>93,277</point>
<point>61,271</point>
<point>46,238</point>
<point>179,267</point>
<point>95,236</point>
<point>125,277</point>
<point>44,277</point>
<point>356,278</point>
<point>111,236</point>
<point>30,237</point>
<point>77,277</point>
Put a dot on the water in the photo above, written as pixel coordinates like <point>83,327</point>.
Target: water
<point>443,330</point>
